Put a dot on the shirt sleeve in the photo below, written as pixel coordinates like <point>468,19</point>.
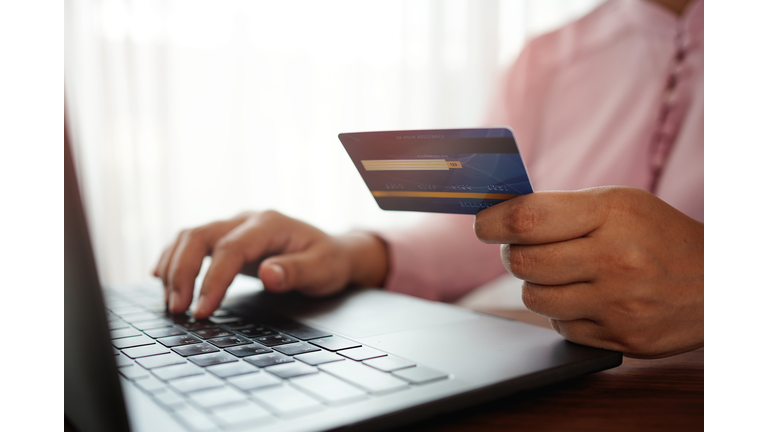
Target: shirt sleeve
<point>440,258</point>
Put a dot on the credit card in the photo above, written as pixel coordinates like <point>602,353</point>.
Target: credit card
<point>440,171</point>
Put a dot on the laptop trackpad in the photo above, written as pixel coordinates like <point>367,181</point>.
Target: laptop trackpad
<point>374,312</point>
<point>354,313</point>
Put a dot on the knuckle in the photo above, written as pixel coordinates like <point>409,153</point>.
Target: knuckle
<point>634,259</point>
<point>634,309</point>
<point>197,233</point>
<point>227,245</point>
<point>190,234</point>
<point>623,203</point>
<point>245,215</point>
<point>268,215</point>
<point>635,342</point>
<point>521,220</point>
<point>183,234</point>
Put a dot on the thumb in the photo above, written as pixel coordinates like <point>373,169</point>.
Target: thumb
<point>272,275</point>
<point>306,271</point>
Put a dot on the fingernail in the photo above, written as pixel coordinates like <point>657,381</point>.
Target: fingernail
<point>200,301</point>
<point>279,275</point>
<point>173,303</point>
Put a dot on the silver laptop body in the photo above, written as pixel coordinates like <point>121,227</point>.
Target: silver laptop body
<point>364,360</point>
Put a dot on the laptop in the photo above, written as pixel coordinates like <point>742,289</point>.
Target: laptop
<point>366,359</point>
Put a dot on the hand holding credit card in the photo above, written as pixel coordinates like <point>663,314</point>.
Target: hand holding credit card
<point>458,171</point>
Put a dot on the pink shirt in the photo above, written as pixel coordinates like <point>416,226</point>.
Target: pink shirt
<point>615,98</point>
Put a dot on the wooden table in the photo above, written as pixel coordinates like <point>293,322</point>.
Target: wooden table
<point>640,395</point>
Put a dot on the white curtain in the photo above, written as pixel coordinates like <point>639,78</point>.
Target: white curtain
<point>186,111</point>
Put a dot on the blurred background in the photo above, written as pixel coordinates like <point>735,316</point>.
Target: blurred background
<point>185,112</point>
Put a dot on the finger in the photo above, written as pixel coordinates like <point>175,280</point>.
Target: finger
<point>245,243</point>
<point>225,265</point>
<point>162,262</point>
<point>541,217</point>
<point>182,270</point>
<point>563,302</point>
<point>164,267</point>
<point>553,263</point>
<point>161,269</point>
<point>193,246</point>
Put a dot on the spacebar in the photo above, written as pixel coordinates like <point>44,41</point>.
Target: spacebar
<point>365,377</point>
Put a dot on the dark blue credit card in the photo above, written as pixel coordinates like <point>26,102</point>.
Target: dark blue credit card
<point>441,171</point>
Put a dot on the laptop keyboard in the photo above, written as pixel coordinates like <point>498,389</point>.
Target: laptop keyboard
<point>226,372</point>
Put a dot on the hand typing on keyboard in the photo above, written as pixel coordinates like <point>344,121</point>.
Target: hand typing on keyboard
<point>284,253</point>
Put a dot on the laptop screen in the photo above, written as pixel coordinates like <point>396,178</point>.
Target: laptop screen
<point>93,400</point>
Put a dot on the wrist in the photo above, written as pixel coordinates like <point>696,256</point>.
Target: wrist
<point>368,258</point>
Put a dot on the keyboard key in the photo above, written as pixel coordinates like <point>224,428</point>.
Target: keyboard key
<point>194,419</point>
<point>253,330</point>
<point>254,381</point>
<point>122,360</point>
<point>181,318</point>
<point>290,370</point>
<point>125,308</point>
<point>169,399</point>
<point>176,371</point>
<point>248,413</point>
<point>195,383</point>
<point>219,313</point>
<point>184,339</point>
<point>228,341</point>
<point>160,361</point>
<point>123,332</point>
<point>329,389</point>
<point>227,370</point>
<point>420,375</point>
<point>151,384</point>
<point>210,333</point>
<point>389,363</point>
<point>226,320</point>
<point>152,324</point>
<point>319,357</point>
<point>194,325</point>
<point>212,359</point>
<point>334,343</point>
<point>273,340</point>
<point>164,331</point>
<point>115,324</point>
<point>132,341</point>
<point>367,378</point>
<point>287,401</point>
<point>296,348</point>
<point>264,360</point>
<point>141,316</point>
<point>217,396</point>
<point>298,330</point>
<point>248,350</point>
<point>133,372</point>
<point>362,353</point>
<point>196,349</point>
<point>145,351</point>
